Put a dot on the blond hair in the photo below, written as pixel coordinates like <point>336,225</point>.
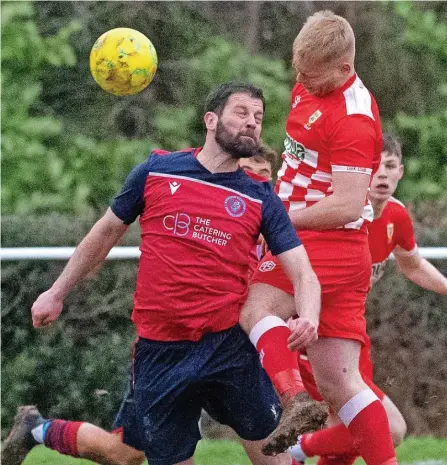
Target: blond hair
<point>324,37</point>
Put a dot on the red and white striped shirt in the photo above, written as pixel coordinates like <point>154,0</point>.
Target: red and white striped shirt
<point>339,132</point>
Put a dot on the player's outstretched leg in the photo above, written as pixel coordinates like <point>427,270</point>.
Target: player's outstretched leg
<point>263,319</point>
<point>77,439</point>
<point>20,440</point>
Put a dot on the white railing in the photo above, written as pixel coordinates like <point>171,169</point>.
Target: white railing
<point>118,253</point>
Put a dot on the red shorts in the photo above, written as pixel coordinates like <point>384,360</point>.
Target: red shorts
<point>365,367</point>
<point>342,262</point>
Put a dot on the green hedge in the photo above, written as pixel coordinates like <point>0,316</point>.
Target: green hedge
<point>65,369</point>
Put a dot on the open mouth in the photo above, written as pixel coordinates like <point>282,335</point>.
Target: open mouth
<point>382,187</point>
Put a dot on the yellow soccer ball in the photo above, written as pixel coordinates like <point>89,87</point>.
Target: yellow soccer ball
<point>123,61</point>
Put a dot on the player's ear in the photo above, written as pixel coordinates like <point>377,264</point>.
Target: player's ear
<point>346,68</point>
<point>401,171</point>
<point>210,120</point>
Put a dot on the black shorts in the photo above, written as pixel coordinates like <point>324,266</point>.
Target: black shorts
<point>173,381</point>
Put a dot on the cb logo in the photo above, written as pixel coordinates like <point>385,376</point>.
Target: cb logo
<point>178,223</point>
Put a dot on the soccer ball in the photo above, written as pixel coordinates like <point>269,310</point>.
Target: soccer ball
<point>123,61</point>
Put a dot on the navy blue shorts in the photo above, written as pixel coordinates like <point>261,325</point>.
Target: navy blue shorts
<point>173,382</point>
<point>125,421</point>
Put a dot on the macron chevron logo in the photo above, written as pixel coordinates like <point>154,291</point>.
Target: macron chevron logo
<point>174,186</point>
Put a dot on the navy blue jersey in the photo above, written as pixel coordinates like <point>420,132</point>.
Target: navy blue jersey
<point>197,229</point>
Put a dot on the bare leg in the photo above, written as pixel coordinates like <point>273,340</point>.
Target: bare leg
<point>76,439</point>
<point>335,363</point>
<point>398,426</point>
<point>264,300</point>
<point>263,318</point>
<point>106,448</point>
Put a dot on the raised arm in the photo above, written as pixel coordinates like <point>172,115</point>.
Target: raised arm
<point>307,294</point>
<point>91,252</point>
<point>343,206</point>
<point>421,272</point>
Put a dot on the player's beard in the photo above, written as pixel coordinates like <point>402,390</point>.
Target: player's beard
<point>234,145</point>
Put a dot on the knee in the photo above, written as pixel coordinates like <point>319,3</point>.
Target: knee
<point>137,459</point>
<point>246,319</point>
<point>132,458</point>
<point>337,392</point>
<point>330,391</point>
<point>119,453</point>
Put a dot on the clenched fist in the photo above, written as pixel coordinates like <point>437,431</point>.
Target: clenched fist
<point>46,309</point>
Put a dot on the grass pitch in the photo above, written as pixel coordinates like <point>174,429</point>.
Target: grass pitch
<point>413,451</point>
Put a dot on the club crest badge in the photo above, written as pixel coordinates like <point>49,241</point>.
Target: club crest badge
<point>312,119</point>
<point>390,231</point>
<point>235,206</point>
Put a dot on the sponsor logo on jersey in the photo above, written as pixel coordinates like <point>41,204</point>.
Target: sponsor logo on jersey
<point>267,266</point>
<point>377,271</point>
<point>312,119</point>
<point>174,187</point>
<point>390,231</point>
<point>235,206</point>
<point>294,148</point>
<point>196,227</point>
<point>178,223</point>
<point>296,101</point>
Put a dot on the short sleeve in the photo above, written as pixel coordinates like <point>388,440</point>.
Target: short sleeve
<point>405,238</point>
<point>354,145</point>
<point>276,226</point>
<point>129,203</point>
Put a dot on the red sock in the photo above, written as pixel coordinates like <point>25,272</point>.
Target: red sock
<point>337,460</point>
<point>269,336</point>
<point>366,419</point>
<point>62,436</point>
<point>336,440</point>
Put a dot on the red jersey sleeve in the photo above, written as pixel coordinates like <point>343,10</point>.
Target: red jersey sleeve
<point>354,145</point>
<point>405,238</point>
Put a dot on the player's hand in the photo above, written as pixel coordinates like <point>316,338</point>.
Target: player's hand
<point>46,309</point>
<point>304,333</point>
<point>264,246</point>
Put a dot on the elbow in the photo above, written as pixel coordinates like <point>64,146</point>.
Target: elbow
<point>349,208</point>
<point>352,212</point>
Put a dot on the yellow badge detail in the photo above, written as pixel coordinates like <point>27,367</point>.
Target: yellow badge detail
<point>312,119</point>
<point>390,231</point>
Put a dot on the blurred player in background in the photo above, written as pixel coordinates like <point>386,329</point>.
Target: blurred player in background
<point>390,232</point>
<point>261,164</point>
<point>332,148</point>
<point>200,216</point>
